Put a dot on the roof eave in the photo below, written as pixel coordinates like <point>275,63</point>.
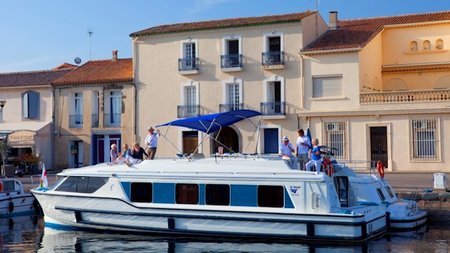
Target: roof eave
<point>331,51</point>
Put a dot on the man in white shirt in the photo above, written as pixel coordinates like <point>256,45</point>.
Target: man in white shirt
<point>285,151</point>
<point>303,146</point>
<point>151,143</point>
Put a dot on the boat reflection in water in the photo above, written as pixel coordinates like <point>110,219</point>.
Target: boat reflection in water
<point>20,233</point>
<point>81,241</point>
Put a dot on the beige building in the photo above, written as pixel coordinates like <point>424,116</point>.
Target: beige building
<point>26,114</point>
<point>190,69</point>
<point>379,89</point>
<point>94,108</point>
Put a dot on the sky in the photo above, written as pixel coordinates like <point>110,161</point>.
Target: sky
<point>42,34</point>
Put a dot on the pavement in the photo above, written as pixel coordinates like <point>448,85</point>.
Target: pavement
<point>401,182</point>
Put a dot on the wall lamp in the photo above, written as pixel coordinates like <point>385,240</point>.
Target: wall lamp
<point>2,104</point>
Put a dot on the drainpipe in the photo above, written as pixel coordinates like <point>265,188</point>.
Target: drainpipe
<point>53,129</point>
<point>136,99</point>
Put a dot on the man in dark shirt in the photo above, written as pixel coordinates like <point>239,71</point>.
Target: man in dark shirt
<point>137,152</point>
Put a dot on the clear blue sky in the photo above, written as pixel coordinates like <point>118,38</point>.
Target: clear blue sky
<point>41,34</point>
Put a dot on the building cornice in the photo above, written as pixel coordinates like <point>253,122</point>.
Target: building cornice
<point>416,67</point>
<point>375,113</point>
<point>331,51</point>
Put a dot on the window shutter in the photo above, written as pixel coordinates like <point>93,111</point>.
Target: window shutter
<point>33,105</point>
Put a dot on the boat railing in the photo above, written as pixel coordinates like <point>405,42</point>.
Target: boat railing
<point>359,166</point>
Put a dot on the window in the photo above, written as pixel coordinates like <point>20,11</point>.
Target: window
<point>273,49</point>
<point>335,137</point>
<point>439,44</point>
<point>218,194</point>
<point>413,46</point>
<point>95,108</point>
<point>232,55</point>
<point>76,115</point>
<point>389,190</point>
<point>187,194</point>
<point>381,195</point>
<point>342,189</point>
<point>189,60</point>
<point>141,192</point>
<point>426,45</point>
<point>425,139</point>
<point>232,97</point>
<point>270,196</point>
<point>30,105</point>
<point>115,109</point>
<point>190,106</point>
<point>82,184</point>
<point>327,86</point>
<point>274,95</point>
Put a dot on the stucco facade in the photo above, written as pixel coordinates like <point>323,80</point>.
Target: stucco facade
<point>162,86</point>
<point>395,97</point>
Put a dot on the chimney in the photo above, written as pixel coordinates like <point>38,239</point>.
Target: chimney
<point>114,55</point>
<point>333,19</point>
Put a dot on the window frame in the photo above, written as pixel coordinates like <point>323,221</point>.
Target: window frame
<point>216,203</point>
<point>415,129</point>
<point>343,129</point>
<point>273,200</point>
<point>31,109</point>
<point>181,192</point>
<point>327,95</point>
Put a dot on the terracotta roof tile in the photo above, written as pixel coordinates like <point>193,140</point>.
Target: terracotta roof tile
<point>31,78</point>
<point>223,23</point>
<point>357,33</point>
<point>99,72</point>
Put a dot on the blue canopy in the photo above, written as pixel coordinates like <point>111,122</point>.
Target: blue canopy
<point>213,122</point>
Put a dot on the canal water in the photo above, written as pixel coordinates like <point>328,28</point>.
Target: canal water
<point>28,234</point>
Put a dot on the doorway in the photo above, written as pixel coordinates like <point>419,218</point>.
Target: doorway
<point>190,142</point>
<point>271,140</point>
<point>227,138</point>
<point>378,145</point>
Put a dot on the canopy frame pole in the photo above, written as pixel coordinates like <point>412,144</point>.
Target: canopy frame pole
<point>173,145</point>
<point>255,131</point>
<point>203,138</point>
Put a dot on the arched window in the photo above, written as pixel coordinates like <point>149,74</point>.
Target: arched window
<point>30,105</point>
<point>413,46</point>
<point>439,44</point>
<point>426,45</point>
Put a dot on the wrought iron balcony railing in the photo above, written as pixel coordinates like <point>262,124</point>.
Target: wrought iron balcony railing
<point>112,120</point>
<point>231,61</point>
<point>272,58</point>
<point>188,64</point>
<point>230,107</point>
<point>273,108</point>
<point>76,121</point>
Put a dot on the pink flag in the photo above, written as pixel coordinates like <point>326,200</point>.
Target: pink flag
<point>44,181</point>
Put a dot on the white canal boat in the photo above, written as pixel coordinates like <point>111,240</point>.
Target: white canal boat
<point>237,196</point>
<point>13,199</point>
<point>373,189</point>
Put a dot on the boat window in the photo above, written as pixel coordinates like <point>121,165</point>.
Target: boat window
<point>218,194</point>
<point>187,194</point>
<point>8,186</point>
<point>270,196</point>
<point>142,192</point>
<point>380,193</point>
<point>389,190</point>
<point>342,190</point>
<point>82,184</point>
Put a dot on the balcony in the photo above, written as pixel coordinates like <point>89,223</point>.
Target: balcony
<point>232,62</point>
<point>95,120</point>
<point>188,65</point>
<point>186,111</point>
<point>273,108</point>
<point>230,107</point>
<point>76,121</point>
<point>273,60</point>
<point>442,95</point>
<point>112,120</point>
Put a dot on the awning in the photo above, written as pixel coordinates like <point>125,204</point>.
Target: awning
<point>212,122</point>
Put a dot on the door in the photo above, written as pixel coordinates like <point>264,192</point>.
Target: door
<point>190,142</point>
<point>271,140</point>
<point>189,55</point>
<point>342,190</point>
<point>275,97</point>
<point>232,52</point>
<point>76,158</point>
<point>226,138</point>
<point>378,145</point>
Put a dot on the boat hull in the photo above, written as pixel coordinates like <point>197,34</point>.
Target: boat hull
<point>17,205</point>
<point>409,222</point>
<point>120,215</point>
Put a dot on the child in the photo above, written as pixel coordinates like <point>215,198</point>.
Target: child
<point>315,157</point>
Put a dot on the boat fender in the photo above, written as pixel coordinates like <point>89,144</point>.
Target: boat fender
<point>380,169</point>
<point>1,186</point>
<point>11,206</point>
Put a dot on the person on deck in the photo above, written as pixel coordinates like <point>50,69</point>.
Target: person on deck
<point>316,157</point>
<point>303,145</point>
<point>137,153</point>
<point>151,142</point>
<point>285,151</point>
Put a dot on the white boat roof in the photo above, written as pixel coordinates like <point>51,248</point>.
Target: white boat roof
<point>239,166</point>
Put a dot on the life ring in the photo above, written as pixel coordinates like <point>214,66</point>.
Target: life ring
<point>380,169</point>
<point>328,165</point>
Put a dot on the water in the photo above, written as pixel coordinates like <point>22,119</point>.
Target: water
<point>28,234</point>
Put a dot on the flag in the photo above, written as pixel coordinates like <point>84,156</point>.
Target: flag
<point>308,134</point>
<point>43,181</point>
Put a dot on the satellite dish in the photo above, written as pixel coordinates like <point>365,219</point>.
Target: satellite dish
<point>77,60</point>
